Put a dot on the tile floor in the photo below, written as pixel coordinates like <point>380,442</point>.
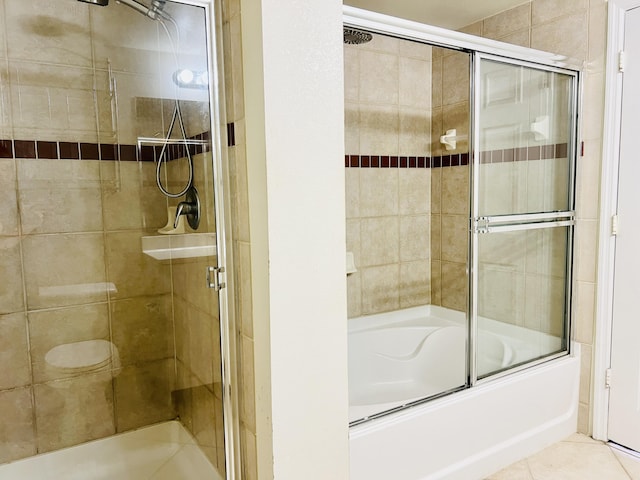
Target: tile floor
<point>161,452</point>
<point>577,458</point>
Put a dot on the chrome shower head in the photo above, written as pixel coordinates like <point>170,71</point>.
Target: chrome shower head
<point>352,36</point>
<point>102,3</point>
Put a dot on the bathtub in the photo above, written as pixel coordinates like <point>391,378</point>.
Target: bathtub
<point>401,357</point>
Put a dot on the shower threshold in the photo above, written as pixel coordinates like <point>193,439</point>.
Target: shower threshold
<point>159,452</point>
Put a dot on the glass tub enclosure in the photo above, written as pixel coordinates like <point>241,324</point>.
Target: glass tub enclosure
<point>460,159</point>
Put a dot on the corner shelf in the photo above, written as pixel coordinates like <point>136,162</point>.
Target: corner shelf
<point>188,245</point>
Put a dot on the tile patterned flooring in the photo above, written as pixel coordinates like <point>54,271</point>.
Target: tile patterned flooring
<point>161,452</point>
<point>577,458</point>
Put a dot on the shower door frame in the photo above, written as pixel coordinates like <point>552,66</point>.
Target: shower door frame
<point>518,221</point>
<point>478,48</point>
<point>222,209</point>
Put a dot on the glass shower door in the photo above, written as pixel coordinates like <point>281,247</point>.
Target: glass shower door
<point>523,213</point>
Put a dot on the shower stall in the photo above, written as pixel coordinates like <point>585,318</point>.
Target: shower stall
<point>114,317</point>
<point>460,165</point>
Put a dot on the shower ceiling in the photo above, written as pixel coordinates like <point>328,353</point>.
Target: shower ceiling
<point>453,14</point>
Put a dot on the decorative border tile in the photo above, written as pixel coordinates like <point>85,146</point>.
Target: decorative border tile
<point>98,151</point>
<point>555,151</point>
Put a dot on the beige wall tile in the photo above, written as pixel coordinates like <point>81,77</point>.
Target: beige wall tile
<point>415,238</point>
<point>131,198</point>
<point>436,190</point>
<point>73,411</point>
<point>59,196</point>
<point>507,22</point>
<point>247,399</point>
<point>455,238</point>
<point>133,272</point>
<point>380,241</point>
<point>9,211</point>
<point>351,73</point>
<point>379,129</point>
<point>187,283</point>
<point>453,287</point>
<point>64,269</point>
<point>380,289</point>
<point>597,38</point>
<point>142,328</point>
<point>50,328</point>
<point>414,132</point>
<point>354,295</point>
<point>143,394</point>
<point>437,130</point>
<point>34,35</point>
<point>352,187</point>
<point>455,190</point>
<point>544,304</point>
<point>436,82</point>
<point>14,351</point>
<point>455,78</point>
<point>436,282</point>
<point>522,38</point>
<point>381,88</point>
<point>353,239</point>
<point>379,192</point>
<point>411,49</point>
<point>586,354</point>
<point>566,35</point>
<point>593,106</point>
<point>237,65</point>
<point>436,237</point>
<point>352,128</point>
<point>584,310</point>
<point>415,284</point>
<point>204,422</point>
<point>588,181</point>
<point>11,288</point>
<point>501,293</point>
<point>244,284</point>
<point>18,436</point>
<point>249,466</point>
<point>414,190</point>
<point>52,102</point>
<point>383,43</point>
<point>586,246</point>
<point>414,87</point>
<point>545,10</point>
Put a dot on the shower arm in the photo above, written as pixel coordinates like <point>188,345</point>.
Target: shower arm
<point>151,12</point>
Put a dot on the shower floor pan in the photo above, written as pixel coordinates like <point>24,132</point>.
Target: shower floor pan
<point>161,452</point>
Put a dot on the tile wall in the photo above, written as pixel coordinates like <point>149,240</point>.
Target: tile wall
<point>388,124</point>
<point>71,266</point>
<point>241,245</point>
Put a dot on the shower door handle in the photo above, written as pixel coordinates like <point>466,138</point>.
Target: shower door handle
<point>213,278</point>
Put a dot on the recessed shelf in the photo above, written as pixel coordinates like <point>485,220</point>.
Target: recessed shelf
<point>188,245</point>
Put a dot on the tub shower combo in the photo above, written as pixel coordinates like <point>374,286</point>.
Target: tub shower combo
<point>460,159</point>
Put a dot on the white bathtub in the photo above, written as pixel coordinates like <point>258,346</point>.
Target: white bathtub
<point>399,357</point>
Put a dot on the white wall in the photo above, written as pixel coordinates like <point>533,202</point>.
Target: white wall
<point>295,147</point>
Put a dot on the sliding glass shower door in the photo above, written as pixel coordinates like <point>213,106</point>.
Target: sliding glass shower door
<point>522,214</point>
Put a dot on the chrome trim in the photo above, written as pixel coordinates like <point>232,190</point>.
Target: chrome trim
<point>517,227</point>
<point>473,261</point>
<point>525,366</point>
<point>525,217</point>
<point>224,240</point>
<point>386,24</point>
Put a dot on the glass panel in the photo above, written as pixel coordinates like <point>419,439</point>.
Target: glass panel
<point>525,132</point>
<point>103,335</point>
<point>522,278</point>
<point>407,221</point>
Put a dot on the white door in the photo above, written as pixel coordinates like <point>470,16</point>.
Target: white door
<point>624,399</point>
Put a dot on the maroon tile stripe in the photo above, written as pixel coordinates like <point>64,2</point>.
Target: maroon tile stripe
<point>558,150</point>
<point>97,151</point>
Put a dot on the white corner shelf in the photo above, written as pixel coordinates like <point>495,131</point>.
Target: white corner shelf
<point>171,247</point>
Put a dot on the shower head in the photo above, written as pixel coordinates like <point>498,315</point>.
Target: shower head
<point>155,11</point>
<point>352,36</point>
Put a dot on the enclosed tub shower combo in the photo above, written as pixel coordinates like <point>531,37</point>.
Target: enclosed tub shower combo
<point>460,161</point>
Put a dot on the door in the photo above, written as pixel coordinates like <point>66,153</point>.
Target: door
<point>523,214</point>
<point>624,396</point>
